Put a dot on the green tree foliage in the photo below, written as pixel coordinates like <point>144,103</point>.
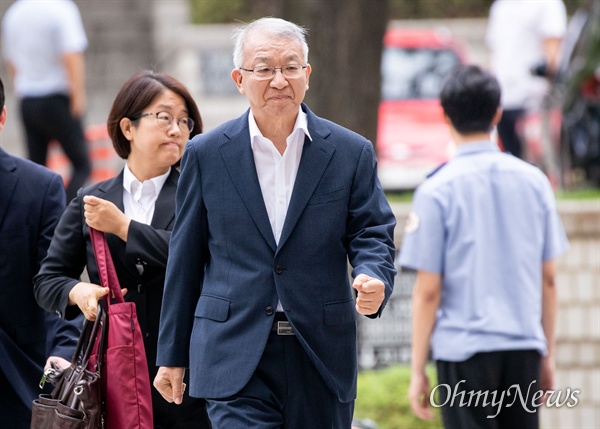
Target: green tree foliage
<point>448,9</point>
<point>437,9</point>
<point>226,11</point>
<point>229,11</point>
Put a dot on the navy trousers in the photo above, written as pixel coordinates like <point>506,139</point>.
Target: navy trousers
<point>285,392</point>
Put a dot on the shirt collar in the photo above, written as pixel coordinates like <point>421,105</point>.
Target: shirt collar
<point>129,179</point>
<point>475,147</point>
<point>301,124</point>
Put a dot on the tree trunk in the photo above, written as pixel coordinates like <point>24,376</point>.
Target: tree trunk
<point>345,42</point>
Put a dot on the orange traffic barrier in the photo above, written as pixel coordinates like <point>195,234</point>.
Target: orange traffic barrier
<point>105,161</point>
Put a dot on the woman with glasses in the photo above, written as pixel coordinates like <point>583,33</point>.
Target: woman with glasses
<point>151,119</point>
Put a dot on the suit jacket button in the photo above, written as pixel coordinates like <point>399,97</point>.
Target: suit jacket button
<point>58,313</point>
<point>269,310</point>
<point>279,269</point>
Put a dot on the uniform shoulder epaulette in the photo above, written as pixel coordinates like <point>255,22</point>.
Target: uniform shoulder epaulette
<point>436,169</point>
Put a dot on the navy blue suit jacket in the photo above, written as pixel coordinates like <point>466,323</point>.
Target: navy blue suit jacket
<point>32,199</point>
<point>225,272</point>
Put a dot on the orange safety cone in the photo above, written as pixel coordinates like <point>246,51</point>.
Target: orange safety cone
<point>105,161</point>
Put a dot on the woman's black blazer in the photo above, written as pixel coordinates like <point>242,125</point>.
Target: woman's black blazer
<point>140,262</point>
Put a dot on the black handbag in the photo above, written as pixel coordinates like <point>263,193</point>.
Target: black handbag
<point>76,400</point>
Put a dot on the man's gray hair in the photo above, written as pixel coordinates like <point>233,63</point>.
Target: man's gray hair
<point>276,26</point>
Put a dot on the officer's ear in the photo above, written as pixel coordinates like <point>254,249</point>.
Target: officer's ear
<point>448,121</point>
<point>3,117</point>
<point>497,117</point>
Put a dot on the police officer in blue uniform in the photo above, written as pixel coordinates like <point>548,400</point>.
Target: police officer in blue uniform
<point>483,236</point>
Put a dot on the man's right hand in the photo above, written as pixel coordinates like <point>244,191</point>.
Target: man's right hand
<point>169,383</point>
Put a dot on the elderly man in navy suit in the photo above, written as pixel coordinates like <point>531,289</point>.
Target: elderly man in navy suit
<point>32,198</point>
<point>270,209</point>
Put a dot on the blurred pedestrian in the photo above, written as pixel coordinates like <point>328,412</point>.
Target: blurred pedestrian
<point>579,87</point>
<point>271,207</point>
<point>483,236</point>
<point>524,38</point>
<point>44,44</point>
<point>32,198</point>
<point>151,119</point>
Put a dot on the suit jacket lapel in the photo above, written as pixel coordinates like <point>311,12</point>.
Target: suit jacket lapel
<point>316,155</point>
<point>8,182</point>
<point>239,161</point>
<point>164,208</point>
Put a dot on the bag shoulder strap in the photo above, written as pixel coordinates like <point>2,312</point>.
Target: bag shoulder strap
<point>106,267</point>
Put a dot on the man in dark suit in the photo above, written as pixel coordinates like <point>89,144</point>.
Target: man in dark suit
<point>32,199</point>
<point>270,208</point>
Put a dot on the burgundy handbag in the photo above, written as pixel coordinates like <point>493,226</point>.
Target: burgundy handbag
<point>125,373</point>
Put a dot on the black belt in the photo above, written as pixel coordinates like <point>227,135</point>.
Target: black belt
<point>281,326</point>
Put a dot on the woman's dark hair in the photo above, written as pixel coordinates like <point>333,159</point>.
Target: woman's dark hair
<point>470,98</point>
<point>135,95</point>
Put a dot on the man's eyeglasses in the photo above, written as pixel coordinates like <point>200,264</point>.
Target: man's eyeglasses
<point>165,120</point>
<point>289,71</point>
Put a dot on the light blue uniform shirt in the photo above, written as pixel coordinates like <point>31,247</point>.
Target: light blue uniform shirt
<point>486,222</point>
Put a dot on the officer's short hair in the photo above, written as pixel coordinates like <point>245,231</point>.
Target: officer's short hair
<point>1,94</point>
<point>470,97</point>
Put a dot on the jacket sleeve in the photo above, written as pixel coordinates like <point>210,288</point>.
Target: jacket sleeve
<point>147,244</point>
<point>61,336</point>
<point>371,226</point>
<point>63,265</point>
<point>53,205</point>
<point>184,277</point>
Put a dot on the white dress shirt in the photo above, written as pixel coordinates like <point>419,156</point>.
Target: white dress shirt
<point>276,172</point>
<point>139,198</point>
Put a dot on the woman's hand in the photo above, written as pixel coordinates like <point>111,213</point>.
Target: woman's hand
<point>104,216</point>
<point>86,296</point>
